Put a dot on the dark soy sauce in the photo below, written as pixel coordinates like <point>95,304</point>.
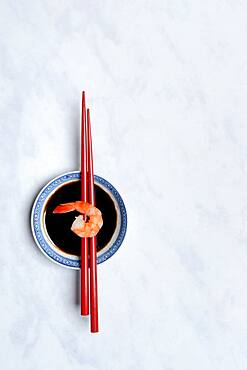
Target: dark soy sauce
<point>58,225</point>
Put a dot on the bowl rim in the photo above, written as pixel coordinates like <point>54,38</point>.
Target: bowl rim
<point>36,216</point>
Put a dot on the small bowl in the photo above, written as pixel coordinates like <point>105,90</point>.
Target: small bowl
<point>42,238</point>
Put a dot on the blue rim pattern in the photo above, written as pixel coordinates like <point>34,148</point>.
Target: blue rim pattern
<point>37,215</point>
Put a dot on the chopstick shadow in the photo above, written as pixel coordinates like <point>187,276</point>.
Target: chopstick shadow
<point>75,120</point>
<point>77,287</point>
<point>84,319</point>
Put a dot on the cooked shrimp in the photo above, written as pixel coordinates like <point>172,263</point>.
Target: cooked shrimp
<point>84,226</point>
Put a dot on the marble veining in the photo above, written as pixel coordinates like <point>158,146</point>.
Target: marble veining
<point>166,82</point>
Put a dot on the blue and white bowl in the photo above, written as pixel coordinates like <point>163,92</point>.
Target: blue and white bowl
<point>42,238</point>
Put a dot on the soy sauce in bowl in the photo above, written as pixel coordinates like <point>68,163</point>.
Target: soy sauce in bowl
<point>58,226</point>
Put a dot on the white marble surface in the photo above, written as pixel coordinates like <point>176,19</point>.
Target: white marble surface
<point>167,85</point>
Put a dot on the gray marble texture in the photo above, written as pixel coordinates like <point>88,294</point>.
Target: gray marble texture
<point>166,81</point>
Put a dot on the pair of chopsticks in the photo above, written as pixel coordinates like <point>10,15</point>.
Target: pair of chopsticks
<point>88,244</point>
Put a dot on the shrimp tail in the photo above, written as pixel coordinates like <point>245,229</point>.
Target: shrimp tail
<point>64,208</point>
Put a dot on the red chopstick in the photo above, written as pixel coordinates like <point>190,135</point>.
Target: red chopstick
<point>84,196</point>
<point>92,241</point>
